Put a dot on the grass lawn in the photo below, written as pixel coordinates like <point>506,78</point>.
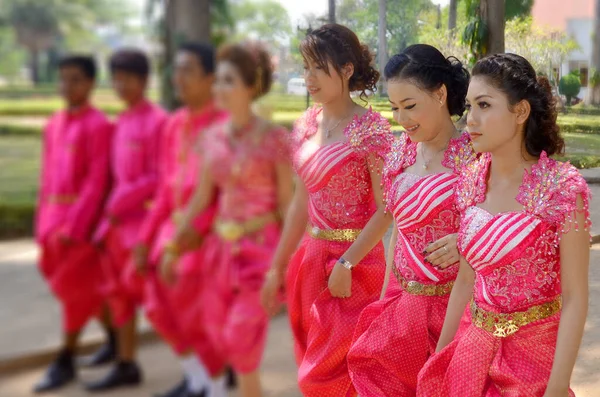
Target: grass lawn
<point>19,165</point>
<point>19,162</point>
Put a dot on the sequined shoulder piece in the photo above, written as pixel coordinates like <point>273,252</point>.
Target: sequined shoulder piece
<point>370,134</point>
<point>459,153</point>
<point>402,154</point>
<point>471,185</point>
<point>550,191</point>
<point>305,127</point>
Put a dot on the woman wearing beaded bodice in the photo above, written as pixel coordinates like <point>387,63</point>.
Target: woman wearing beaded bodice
<point>524,241</point>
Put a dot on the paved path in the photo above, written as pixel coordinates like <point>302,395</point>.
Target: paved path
<point>30,323</point>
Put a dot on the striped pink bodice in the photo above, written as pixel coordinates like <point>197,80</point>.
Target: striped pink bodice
<point>516,254</point>
<point>423,206</point>
<point>337,176</point>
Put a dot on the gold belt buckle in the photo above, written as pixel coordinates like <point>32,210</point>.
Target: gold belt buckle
<point>505,328</point>
<point>231,231</point>
<point>415,287</point>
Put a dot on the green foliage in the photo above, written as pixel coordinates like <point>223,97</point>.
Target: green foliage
<point>517,9</point>
<point>266,20</point>
<point>569,86</point>
<point>475,33</point>
<point>544,48</point>
<point>16,219</point>
<point>594,78</point>
<point>404,18</point>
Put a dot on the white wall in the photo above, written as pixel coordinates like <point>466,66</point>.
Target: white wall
<point>580,29</point>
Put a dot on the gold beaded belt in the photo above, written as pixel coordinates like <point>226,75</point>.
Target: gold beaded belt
<point>333,234</point>
<point>234,231</point>
<point>502,325</point>
<point>416,288</point>
<point>62,198</point>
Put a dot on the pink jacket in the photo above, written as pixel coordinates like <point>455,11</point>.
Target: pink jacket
<point>135,170</point>
<point>75,174</point>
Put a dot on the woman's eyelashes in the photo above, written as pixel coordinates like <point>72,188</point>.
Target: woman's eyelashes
<point>481,105</point>
<point>395,108</point>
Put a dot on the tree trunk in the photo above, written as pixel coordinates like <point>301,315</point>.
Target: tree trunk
<point>34,65</point>
<point>593,97</point>
<point>382,51</point>
<point>331,11</point>
<point>492,12</point>
<point>452,16</point>
<point>191,20</point>
<point>185,20</point>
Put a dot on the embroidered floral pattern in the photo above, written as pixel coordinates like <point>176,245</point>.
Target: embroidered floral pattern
<point>528,270</point>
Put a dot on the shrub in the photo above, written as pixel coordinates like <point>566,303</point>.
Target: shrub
<point>569,86</point>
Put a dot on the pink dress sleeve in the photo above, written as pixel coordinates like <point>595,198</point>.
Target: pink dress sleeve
<point>85,213</point>
<point>371,135</point>
<point>550,191</point>
<point>471,186</point>
<point>395,162</point>
<point>459,153</point>
<point>135,194</point>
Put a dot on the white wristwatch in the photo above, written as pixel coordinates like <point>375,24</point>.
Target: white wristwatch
<point>348,265</point>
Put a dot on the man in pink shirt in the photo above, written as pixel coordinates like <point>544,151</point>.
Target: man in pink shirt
<point>75,177</point>
<point>175,310</point>
<point>135,174</point>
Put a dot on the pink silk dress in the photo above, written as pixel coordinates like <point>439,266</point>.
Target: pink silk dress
<point>135,169</point>
<point>338,180</point>
<point>395,336</point>
<point>75,179</point>
<point>176,311</point>
<point>245,174</point>
<point>516,259</point>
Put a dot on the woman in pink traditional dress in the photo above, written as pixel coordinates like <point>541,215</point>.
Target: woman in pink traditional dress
<point>395,336</point>
<point>524,243</point>
<point>338,151</point>
<point>247,161</point>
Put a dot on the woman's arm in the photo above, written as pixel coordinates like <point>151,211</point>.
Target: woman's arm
<point>340,281</point>
<point>459,298</point>
<point>574,260</point>
<point>294,227</point>
<point>390,258</point>
<point>285,187</point>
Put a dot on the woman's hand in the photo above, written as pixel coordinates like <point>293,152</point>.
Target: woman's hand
<point>340,282</point>
<point>269,294</point>
<point>443,252</point>
<point>167,267</point>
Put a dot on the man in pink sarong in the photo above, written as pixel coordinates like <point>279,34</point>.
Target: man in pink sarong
<point>134,165</point>
<point>175,310</point>
<point>74,182</point>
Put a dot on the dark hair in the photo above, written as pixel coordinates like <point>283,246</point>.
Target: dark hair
<point>429,69</point>
<point>130,60</point>
<point>514,75</point>
<point>85,63</point>
<point>205,53</point>
<point>252,61</point>
<point>340,46</point>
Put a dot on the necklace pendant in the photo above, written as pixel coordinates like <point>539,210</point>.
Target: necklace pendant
<point>425,166</point>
